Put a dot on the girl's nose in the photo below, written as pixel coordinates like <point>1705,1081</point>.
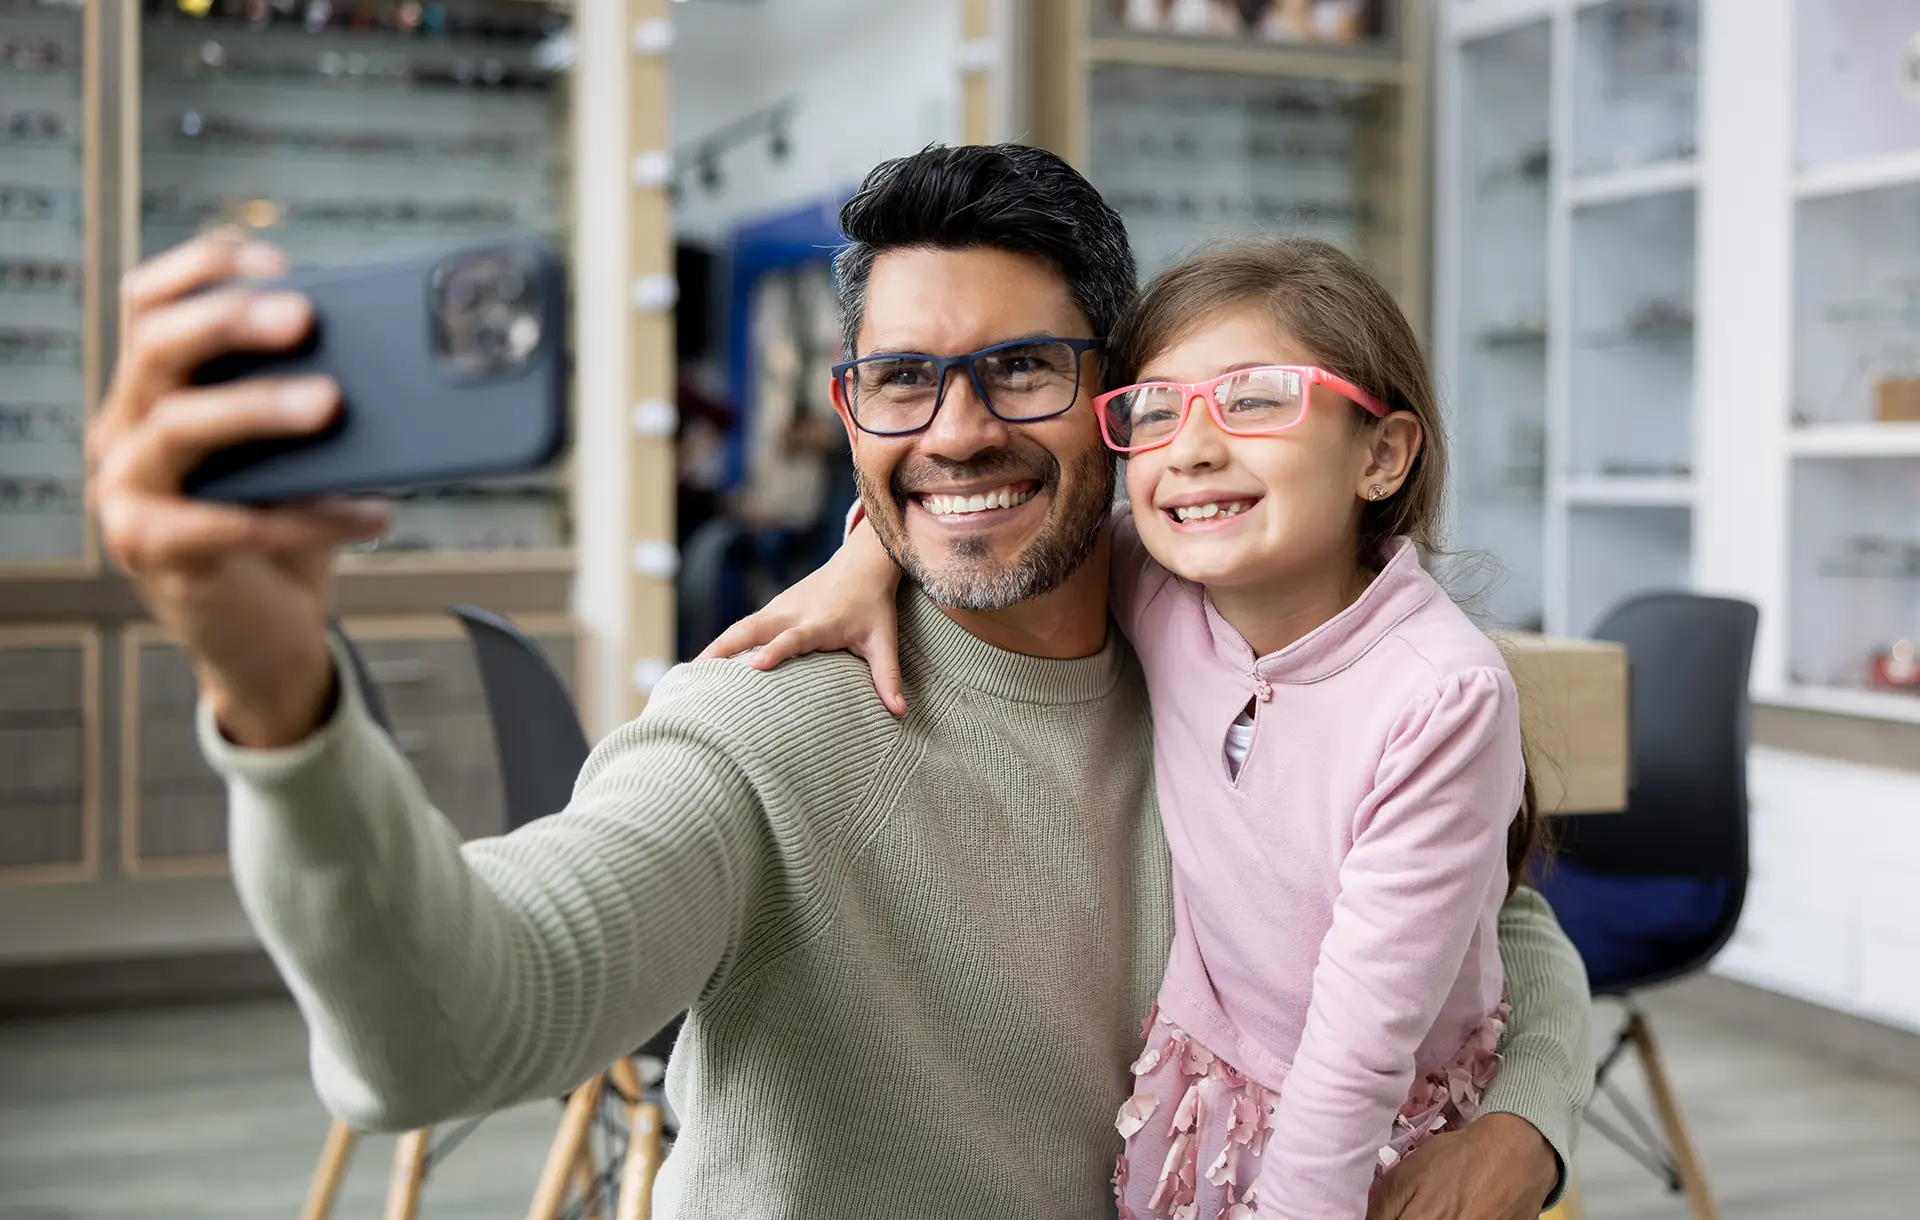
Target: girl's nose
<point>1199,445</point>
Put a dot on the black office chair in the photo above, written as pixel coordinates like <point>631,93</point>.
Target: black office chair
<point>542,747</point>
<point>362,677</point>
<point>1653,893</point>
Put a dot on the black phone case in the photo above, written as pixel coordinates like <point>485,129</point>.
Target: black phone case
<point>406,420</point>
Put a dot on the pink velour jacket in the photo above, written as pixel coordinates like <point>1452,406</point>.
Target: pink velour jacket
<point>1335,903</point>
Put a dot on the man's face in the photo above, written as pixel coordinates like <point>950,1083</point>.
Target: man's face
<point>1054,474</point>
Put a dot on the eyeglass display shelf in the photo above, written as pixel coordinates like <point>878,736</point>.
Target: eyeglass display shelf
<point>1866,174</point>
<point>1474,19</point>
<point>1871,440</point>
<point>1379,64</point>
<point>491,560</point>
<point>1844,701</point>
<point>1599,491</point>
<point>1634,182</point>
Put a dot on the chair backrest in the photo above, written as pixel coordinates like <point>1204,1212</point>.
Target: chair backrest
<point>536,730</point>
<point>362,677</point>
<point>1686,812</point>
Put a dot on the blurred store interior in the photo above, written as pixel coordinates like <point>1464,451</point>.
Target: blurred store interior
<point>1665,255</point>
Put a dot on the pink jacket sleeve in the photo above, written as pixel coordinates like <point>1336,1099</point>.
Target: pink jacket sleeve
<point>1428,860</point>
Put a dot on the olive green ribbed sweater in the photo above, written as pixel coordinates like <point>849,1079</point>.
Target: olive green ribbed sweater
<point>917,952</point>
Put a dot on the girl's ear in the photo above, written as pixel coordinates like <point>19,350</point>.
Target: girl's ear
<point>1392,444</point>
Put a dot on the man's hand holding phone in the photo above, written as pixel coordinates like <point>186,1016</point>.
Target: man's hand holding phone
<point>245,589</point>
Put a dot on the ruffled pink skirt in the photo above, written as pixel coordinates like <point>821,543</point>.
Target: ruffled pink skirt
<point>1200,1127</point>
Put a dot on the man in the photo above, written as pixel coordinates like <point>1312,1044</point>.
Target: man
<point>916,951</point>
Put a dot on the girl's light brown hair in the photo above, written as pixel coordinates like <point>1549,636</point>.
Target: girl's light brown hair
<point>1331,305</point>
<point>1334,307</point>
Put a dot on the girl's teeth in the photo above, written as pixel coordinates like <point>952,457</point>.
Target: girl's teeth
<point>949,506</point>
<point>1203,512</point>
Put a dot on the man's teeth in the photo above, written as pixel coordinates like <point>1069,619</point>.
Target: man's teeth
<point>1201,512</point>
<point>948,506</point>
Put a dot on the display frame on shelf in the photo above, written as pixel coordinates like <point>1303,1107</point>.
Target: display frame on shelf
<point>135,637</point>
<point>86,638</point>
<point>89,563</point>
<point>1065,51</point>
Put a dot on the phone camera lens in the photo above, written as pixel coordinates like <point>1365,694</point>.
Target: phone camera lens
<point>511,286</point>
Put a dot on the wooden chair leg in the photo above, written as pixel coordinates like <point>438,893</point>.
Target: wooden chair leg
<point>335,1156</point>
<point>568,1144</point>
<point>1570,1207</point>
<point>1686,1159</point>
<point>644,1128</point>
<point>409,1174</point>
<point>586,1182</point>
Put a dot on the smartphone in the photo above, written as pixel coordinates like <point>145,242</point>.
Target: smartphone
<point>451,368</point>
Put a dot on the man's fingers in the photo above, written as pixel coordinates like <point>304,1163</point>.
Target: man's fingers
<point>166,345</point>
<point>186,426</point>
<point>165,531</point>
<point>188,268</point>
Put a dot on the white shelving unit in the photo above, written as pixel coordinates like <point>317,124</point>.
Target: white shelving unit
<point>1854,545</point>
<point>1567,265</point>
<point>1743,450</point>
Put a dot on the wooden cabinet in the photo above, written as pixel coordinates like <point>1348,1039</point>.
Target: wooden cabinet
<point>49,753</point>
<point>174,808</point>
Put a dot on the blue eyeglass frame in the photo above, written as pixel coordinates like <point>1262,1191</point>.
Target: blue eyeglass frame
<point>944,365</point>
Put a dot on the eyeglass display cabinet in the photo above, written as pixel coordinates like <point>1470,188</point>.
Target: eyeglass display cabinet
<point>1203,120</point>
<point>48,291</point>
<point>1566,298</point>
<point>350,133</point>
<point>174,808</point>
<point>1854,415</point>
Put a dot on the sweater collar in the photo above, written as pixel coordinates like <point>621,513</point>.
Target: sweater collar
<point>944,647</point>
<point>1401,588</point>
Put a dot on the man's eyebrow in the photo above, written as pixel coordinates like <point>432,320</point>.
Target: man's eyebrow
<point>905,349</point>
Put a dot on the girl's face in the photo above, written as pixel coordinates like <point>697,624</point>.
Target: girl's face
<point>1289,502</point>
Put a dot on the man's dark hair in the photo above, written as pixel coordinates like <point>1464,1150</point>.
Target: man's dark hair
<point>999,196</point>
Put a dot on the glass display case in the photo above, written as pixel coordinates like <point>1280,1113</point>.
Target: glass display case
<point>1207,120</point>
<point>1343,23</point>
<point>1568,299</point>
<point>1187,156</point>
<point>1854,422</point>
<point>1859,89</point>
<point>44,296</point>
<point>1635,83</point>
<point>349,133</point>
<point>1631,405</point>
<point>1498,398</point>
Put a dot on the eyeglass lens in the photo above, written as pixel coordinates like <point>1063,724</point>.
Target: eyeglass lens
<point>1023,381</point>
<point>1258,400</point>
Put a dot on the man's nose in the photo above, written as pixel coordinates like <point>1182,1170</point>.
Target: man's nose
<point>963,426</point>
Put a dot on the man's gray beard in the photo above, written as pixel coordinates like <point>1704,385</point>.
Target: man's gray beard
<point>1053,557</point>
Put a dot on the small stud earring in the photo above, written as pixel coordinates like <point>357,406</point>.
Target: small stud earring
<point>1377,492</point>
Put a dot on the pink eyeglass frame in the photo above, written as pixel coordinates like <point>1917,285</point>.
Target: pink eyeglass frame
<point>1310,375</point>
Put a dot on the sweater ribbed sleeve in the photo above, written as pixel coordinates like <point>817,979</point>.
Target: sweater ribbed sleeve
<point>1547,1074</point>
<point>440,980</point>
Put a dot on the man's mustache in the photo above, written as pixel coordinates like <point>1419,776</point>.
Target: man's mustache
<point>913,477</point>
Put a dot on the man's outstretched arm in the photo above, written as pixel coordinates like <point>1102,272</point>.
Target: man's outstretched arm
<point>439,980</point>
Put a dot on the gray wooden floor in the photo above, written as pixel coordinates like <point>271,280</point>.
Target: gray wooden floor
<point>1784,1135</point>
<point>207,1114</point>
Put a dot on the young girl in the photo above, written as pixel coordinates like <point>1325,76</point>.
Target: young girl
<point>1337,748</point>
